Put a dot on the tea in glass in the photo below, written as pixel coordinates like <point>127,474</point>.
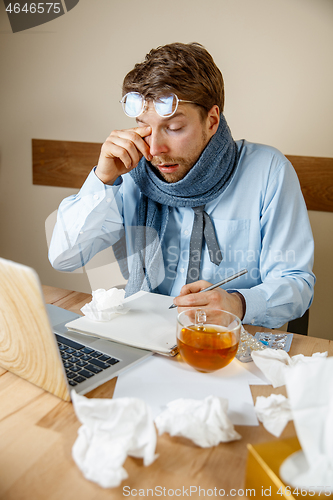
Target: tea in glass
<point>208,341</point>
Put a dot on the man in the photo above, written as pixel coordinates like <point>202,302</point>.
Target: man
<point>184,205</point>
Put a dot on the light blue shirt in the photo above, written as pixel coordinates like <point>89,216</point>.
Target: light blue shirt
<point>261,223</point>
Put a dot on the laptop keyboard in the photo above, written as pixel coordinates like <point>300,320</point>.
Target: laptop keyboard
<point>82,362</point>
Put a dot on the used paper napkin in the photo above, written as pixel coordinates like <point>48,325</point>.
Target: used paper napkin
<point>275,363</point>
<point>105,304</point>
<point>274,412</point>
<point>111,430</point>
<point>205,422</point>
<point>310,392</point>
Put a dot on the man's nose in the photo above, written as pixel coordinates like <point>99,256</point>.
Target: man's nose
<point>157,144</point>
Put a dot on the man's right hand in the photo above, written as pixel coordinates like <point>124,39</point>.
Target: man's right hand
<point>121,152</point>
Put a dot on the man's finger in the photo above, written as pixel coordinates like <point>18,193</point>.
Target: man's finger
<point>194,287</point>
<point>143,131</point>
<point>136,136</point>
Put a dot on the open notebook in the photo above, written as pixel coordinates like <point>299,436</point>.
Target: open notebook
<point>148,324</point>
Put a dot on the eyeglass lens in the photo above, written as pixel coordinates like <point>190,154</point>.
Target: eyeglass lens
<point>166,106</point>
<point>133,104</point>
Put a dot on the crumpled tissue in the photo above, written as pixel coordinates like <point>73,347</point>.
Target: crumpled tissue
<point>275,363</point>
<point>274,412</point>
<point>310,392</point>
<point>111,430</point>
<point>205,422</point>
<point>105,304</point>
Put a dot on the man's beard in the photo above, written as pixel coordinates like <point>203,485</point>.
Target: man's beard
<point>184,164</point>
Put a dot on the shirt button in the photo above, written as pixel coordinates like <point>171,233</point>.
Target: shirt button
<point>108,200</point>
<point>186,232</point>
<point>182,270</point>
<point>81,232</point>
<point>96,196</point>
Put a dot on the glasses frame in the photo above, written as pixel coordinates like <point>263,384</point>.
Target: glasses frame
<point>145,104</point>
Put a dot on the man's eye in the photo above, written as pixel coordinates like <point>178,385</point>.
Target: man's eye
<point>175,129</point>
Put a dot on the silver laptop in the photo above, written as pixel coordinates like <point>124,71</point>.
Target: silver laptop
<point>36,345</point>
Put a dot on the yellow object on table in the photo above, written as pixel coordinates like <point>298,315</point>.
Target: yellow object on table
<point>262,471</point>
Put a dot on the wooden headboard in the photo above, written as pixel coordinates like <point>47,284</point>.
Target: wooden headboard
<point>67,164</point>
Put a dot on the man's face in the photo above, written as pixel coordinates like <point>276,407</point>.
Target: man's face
<point>176,142</point>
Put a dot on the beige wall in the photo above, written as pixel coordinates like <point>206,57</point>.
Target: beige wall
<point>63,80</point>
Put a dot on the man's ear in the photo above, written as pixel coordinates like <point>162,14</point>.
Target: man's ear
<point>213,120</point>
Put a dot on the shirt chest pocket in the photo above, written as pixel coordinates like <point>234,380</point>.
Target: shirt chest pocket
<point>233,239</point>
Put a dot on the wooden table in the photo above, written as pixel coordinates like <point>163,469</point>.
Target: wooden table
<point>37,432</point>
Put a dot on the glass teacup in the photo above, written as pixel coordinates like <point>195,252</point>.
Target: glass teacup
<point>208,339</point>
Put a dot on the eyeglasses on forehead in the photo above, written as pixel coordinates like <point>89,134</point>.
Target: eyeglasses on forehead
<point>134,104</point>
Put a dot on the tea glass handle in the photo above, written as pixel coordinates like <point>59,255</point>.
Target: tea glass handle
<point>200,317</point>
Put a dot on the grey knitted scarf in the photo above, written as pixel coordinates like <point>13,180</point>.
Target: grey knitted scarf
<point>206,180</point>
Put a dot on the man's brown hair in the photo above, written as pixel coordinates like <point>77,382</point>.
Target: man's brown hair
<point>187,70</point>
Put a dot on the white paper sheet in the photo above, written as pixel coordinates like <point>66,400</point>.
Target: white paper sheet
<point>160,380</point>
<point>254,375</point>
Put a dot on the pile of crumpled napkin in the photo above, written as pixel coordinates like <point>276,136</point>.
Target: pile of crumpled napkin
<point>204,422</point>
<point>113,429</point>
<point>276,364</point>
<point>105,304</point>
